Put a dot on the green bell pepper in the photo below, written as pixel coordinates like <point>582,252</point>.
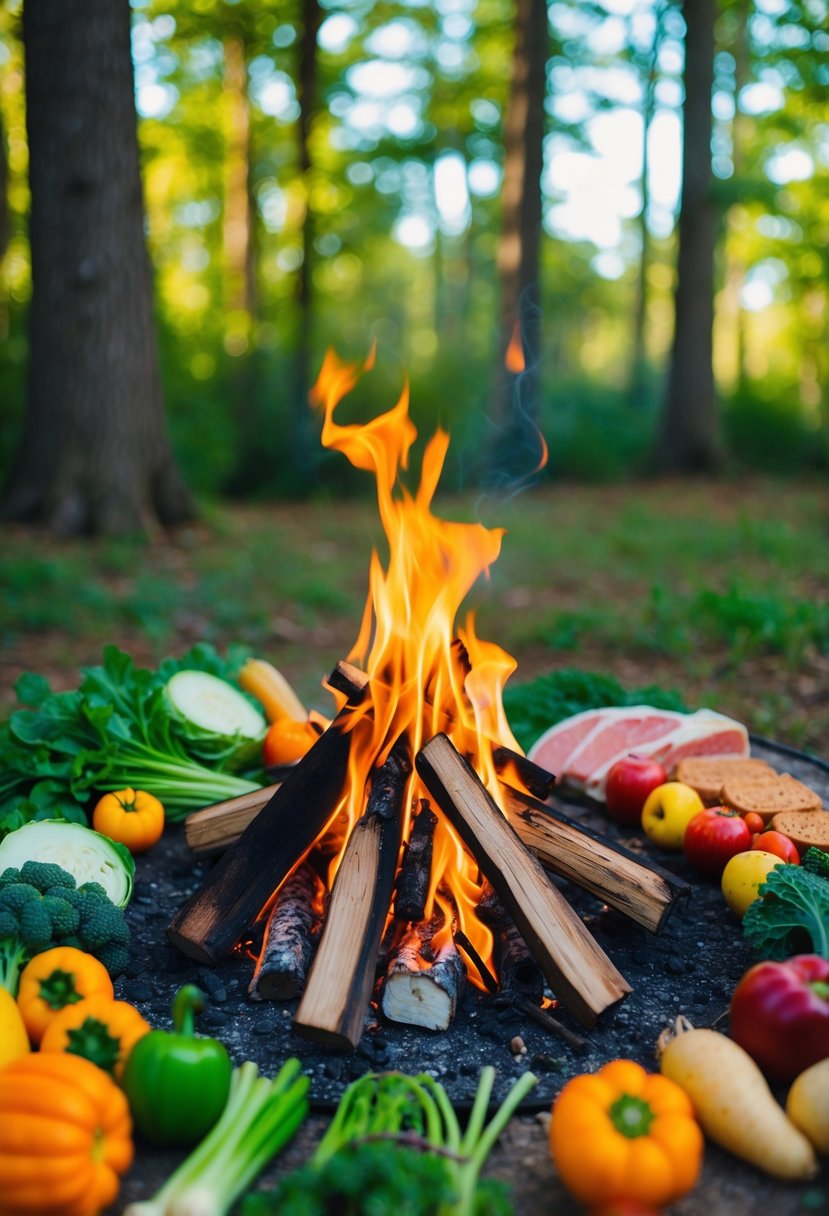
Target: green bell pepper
<point>177,1083</point>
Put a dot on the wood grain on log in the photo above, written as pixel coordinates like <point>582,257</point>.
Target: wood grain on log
<point>290,937</point>
<point>578,971</point>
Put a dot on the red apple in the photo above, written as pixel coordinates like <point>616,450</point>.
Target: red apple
<point>629,781</point>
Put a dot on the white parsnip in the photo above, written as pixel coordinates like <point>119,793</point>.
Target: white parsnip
<point>733,1103</point>
<point>807,1104</point>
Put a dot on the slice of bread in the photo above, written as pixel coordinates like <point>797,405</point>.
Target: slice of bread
<point>708,774</point>
<point>804,828</point>
<point>769,797</point>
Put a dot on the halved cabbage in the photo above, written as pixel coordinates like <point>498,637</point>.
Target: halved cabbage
<point>84,853</point>
<point>216,722</point>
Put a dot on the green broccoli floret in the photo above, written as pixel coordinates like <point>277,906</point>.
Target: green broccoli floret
<point>41,907</point>
<point>816,861</point>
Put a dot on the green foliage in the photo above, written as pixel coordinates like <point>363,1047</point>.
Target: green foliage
<point>816,861</point>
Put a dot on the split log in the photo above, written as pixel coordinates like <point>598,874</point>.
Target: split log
<point>247,874</point>
<point>216,827</point>
<point>577,969</point>
<point>412,887</point>
<point>333,1006</point>
<point>419,992</point>
<point>641,890</point>
<point>290,937</point>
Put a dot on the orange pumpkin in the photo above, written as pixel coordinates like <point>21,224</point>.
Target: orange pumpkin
<point>65,1137</point>
<point>98,1028</point>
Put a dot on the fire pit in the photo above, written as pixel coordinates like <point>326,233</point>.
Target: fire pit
<point>690,966</point>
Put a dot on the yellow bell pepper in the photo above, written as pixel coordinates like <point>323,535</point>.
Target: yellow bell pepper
<point>14,1042</point>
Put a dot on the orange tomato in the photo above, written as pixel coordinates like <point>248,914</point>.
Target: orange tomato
<point>287,741</point>
<point>132,817</point>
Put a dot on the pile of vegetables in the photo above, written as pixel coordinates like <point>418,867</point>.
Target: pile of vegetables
<point>184,733</point>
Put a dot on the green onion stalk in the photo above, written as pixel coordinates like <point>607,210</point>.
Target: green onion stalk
<point>415,1112</point>
<point>261,1116</point>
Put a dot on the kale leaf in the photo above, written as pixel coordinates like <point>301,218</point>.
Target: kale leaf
<point>792,915</point>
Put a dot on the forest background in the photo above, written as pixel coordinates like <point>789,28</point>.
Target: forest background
<point>343,174</point>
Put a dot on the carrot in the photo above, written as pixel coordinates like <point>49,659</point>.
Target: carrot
<point>732,1101</point>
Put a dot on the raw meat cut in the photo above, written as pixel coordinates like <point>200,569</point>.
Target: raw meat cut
<point>580,750</point>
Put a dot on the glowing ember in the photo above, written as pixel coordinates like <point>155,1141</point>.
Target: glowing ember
<point>426,674</point>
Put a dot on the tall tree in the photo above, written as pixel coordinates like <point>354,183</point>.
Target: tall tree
<point>688,439</point>
<point>516,406</point>
<point>95,455</point>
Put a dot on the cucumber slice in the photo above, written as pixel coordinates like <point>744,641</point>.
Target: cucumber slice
<point>213,705</point>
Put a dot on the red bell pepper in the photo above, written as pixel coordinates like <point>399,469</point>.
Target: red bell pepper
<point>780,1014</point>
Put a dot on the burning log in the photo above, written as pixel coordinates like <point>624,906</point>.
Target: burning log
<point>246,876</point>
<point>333,1006</point>
<point>577,969</point>
<point>418,991</point>
<point>536,779</point>
<point>517,969</point>
<point>412,888</point>
<point>641,890</point>
<point>290,937</point>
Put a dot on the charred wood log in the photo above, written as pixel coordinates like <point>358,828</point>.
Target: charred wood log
<point>578,971</point>
<point>419,991</point>
<point>246,875</point>
<point>290,937</point>
<point>333,1006</point>
<point>517,969</point>
<point>532,776</point>
<point>412,888</point>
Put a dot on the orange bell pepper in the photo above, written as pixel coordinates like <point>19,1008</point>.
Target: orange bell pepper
<point>623,1133</point>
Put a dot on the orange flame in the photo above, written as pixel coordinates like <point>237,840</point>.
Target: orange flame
<point>514,360</point>
<point>421,680</point>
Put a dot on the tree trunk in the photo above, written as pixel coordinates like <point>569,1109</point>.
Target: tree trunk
<point>688,438</point>
<point>95,455</point>
<point>731,314</point>
<point>639,360</point>
<point>304,461</point>
<point>515,445</point>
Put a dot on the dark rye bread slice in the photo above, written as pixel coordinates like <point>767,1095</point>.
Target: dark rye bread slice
<point>708,774</point>
<point>770,797</point>
<point>804,828</point>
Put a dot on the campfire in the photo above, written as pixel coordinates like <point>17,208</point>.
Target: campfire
<point>413,839</point>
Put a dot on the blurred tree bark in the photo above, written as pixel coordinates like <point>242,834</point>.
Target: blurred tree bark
<point>688,439</point>
<point>514,440</point>
<point>95,455</point>
<point>307,97</point>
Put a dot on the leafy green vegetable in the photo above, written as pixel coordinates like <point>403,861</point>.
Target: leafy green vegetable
<point>376,1177</point>
<point>114,731</point>
<point>816,861</point>
<point>403,1115</point>
<point>533,707</point>
<point>41,907</point>
<point>792,915</point>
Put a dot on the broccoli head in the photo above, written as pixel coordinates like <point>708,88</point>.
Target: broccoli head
<point>41,907</point>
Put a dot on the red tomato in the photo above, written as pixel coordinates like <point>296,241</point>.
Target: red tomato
<point>780,845</point>
<point>629,781</point>
<point>713,837</point>
<point>754,822</point>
